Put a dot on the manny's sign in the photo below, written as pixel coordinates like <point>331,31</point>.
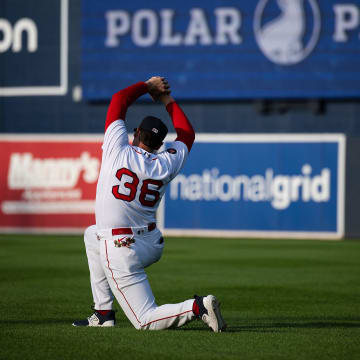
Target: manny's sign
<point>48,183</point>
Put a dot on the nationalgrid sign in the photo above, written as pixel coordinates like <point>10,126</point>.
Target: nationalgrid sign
<point>259,185</point>
<point>224,49</point>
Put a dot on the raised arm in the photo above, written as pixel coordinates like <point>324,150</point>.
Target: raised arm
<point>184,130</point>
<point>121,100</point>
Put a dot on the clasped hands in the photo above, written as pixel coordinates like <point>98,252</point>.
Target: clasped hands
<point>158,86</point>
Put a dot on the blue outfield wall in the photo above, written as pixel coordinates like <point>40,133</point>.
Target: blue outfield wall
<point>52,107</point>
<point>286,184</point>
<point>223,49</point>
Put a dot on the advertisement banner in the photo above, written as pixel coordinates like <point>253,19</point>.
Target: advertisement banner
<point>279,185</point>
<point>223,49</point>
<point>48,182</point>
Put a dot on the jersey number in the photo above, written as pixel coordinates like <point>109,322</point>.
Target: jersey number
<point>133,185</point>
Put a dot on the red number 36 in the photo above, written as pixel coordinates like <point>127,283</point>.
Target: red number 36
<point>132,186</point>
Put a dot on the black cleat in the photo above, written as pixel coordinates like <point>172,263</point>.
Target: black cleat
<point>96,319</point>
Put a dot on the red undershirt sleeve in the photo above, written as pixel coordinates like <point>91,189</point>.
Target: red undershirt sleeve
<point>184,130</point>
<point>121,100</point>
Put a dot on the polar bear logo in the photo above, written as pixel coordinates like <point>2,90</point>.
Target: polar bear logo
<point>282,39</point>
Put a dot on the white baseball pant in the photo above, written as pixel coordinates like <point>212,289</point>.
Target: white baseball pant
<point>120,271</point>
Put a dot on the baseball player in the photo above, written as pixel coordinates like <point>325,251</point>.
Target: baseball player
<point>125,239</point>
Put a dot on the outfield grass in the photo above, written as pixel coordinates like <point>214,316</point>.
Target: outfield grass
<point>281,300</point>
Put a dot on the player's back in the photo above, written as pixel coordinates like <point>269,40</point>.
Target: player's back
<point>132,181</point>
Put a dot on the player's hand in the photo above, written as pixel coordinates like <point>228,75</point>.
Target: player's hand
<point>158,86</point>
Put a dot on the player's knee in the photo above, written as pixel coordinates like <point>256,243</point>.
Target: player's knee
<point>135,323</point>
<point>141,324</point>
<point>147,324</point>
<point>151,326</point>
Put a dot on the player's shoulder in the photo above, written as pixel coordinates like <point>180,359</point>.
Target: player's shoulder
<point>115,126</point>
<point>115,135</point>
<point>175,148</point>
<point>173,155</point>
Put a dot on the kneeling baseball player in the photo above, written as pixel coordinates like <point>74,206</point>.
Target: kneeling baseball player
<point>125,239</point>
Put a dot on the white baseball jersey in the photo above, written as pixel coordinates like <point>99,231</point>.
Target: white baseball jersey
<point>132,181</point>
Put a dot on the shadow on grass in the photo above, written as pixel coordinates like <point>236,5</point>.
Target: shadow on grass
<point>279,326</point>
<point>282,326</point>
<point>38,322</point>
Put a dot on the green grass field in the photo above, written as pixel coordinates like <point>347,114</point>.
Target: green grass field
<point>281,299</point>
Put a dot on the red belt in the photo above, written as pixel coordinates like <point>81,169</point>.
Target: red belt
<point>129,230</point>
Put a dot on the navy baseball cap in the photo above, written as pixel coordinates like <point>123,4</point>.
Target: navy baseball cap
<point>155,126</point>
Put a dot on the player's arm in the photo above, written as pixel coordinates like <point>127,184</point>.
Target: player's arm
<point>121,100</point>
<point>184,130</point>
